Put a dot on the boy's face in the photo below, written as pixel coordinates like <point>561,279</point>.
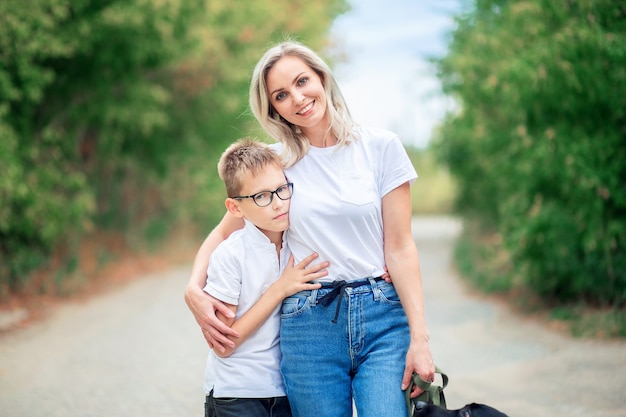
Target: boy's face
<point>272,219</point>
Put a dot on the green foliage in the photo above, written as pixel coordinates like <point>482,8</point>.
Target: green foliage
<point>482,259</point>
<point>583,322</point>
<point>113,113</point>
<point>433,192</point>
<point>538,144</point>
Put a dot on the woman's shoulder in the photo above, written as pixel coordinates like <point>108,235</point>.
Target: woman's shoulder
<point>277,147</point>
<point>375,137</point>
<point>370,133</point>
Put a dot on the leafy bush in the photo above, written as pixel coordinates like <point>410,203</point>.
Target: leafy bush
<point>538,144</point>
<point>113,113</point>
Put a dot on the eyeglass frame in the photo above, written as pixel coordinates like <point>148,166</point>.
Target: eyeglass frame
<point>252,196</point>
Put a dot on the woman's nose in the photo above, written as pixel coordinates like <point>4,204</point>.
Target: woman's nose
<point>298,97</point>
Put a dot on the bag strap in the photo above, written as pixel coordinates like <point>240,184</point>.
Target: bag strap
<point>433,393</point>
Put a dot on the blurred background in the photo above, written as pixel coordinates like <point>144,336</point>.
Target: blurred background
<point>113,114</point>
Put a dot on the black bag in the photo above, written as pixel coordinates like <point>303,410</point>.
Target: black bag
<point>433,393</point>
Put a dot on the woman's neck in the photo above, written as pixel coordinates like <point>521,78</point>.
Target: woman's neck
<point>320,135</point>
<point>321,138</point>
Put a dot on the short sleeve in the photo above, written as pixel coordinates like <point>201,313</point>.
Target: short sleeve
<point>396,165</point>
<point>224,276</point>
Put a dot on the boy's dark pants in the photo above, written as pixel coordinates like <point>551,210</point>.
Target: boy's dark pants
<point>249,407</point>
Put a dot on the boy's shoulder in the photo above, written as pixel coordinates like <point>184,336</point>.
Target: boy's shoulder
<point>229,256</point>
<point>233,244</point>
<point>241,241</point>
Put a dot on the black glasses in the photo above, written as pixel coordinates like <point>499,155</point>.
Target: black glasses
<point>264,198</point>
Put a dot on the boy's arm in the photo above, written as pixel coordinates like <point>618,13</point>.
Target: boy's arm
<point>228,321</point>
<point>292,280</point>
<point>250,321</point>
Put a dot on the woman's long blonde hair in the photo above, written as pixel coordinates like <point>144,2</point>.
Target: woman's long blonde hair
<point>295,143</point>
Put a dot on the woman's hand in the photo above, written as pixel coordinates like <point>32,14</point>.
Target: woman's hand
<point>386,276</point>
<point>420,361</point>
<point>204,308</point>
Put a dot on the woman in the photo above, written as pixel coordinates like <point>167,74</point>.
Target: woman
<point>347,340</point>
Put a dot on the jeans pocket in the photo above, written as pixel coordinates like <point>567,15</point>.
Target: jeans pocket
<point>388,293</point>
<point>295,305</point>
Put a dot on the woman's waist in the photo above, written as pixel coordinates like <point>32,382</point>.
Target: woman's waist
<point>349,270</point>
<point>346,262</point>
<point>331,281</point>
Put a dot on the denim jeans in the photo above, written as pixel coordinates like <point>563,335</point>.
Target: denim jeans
<point>326,365</point>
<point>248,407</point>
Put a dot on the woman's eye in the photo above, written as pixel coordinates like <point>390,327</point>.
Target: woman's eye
<point>303,80</point>
<point>280,96</point>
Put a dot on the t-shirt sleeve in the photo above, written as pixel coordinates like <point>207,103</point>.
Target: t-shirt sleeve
<point>224,276</point>
<point>396,166</point>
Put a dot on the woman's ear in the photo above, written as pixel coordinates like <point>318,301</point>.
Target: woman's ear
<point>232,206</point>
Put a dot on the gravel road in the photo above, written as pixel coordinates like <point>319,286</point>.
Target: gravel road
<point>137,351</point>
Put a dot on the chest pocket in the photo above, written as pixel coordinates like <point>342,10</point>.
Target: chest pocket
<point>358,187</point>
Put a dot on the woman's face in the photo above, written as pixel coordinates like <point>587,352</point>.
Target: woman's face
<point>297,94</point>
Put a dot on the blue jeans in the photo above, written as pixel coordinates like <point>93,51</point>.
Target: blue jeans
<point>326,365</point>
<point>249,407</point>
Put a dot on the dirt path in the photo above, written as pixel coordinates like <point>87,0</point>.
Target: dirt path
<point>513,363</point>
<point>137,351</point>
<point>132,352</point>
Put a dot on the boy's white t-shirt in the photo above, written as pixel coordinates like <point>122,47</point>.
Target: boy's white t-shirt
<point>240,270</point>
<point>336,204</point>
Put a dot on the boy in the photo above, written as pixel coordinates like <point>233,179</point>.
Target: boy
<point>244,273</point>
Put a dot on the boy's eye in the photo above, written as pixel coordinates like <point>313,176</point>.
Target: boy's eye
<point>261,198</point>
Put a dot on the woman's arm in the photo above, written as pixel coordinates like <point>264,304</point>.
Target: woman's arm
<point>293,279</point>
<point>202,305</point>
<point>403,264</point>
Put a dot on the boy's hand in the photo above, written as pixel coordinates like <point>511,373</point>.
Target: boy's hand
<point>300,277</point>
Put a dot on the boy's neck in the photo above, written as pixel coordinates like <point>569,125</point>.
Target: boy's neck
<point>275,237</point>
<point>277,240</point>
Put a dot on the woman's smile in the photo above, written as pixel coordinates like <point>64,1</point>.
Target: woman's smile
<point>306,109</point>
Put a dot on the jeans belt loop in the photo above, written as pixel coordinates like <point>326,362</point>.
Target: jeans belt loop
<point>375,290</point>
<point>313,297</point>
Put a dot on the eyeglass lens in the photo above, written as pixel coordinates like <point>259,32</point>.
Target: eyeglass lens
<point>264,198</point>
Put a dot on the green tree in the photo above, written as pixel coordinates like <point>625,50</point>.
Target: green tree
<point>538,144</point>
<point>113,112</point>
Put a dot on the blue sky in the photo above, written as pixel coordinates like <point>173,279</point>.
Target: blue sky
<point>385,75</point>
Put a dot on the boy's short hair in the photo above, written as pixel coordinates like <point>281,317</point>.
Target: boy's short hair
<point>246,156</point>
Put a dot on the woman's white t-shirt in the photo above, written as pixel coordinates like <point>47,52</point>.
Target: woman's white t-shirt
<point>337,199</point>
